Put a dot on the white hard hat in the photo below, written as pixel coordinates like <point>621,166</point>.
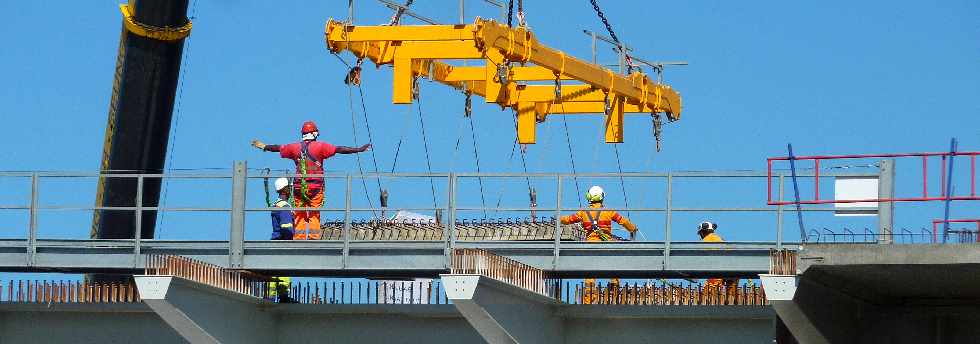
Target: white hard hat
<point>595,194</point>
<point>281,183</point>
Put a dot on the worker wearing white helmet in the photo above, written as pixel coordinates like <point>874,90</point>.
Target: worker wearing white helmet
<point>282,220</point>
<point>706,230</point>
<point>598,224</point>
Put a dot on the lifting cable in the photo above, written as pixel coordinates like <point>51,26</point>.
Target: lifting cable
<point>425,141</point>
<point>476,154</point>
<point>629,70</point>
<point>360,169</point>
<point>510,162</point>
<point>468,113</point>
<point>173,131</point>
<point>622,184</point>
<point>367,125</point>
<point>568,139</point>
<point>523,149</point>
<point>398,146</point>
<point>571,159</point>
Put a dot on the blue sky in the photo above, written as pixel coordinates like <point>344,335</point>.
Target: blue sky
<point>831,77</point>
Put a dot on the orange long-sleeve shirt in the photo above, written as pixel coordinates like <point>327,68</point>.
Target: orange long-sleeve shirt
<point>604,219</point>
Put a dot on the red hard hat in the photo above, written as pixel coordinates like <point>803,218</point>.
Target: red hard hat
<point>309,127</point>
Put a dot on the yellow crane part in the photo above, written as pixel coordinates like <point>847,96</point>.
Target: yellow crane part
<point>510,57</point>
<point>153,32</point>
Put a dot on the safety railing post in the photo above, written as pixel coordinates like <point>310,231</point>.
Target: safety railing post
<point>886,190</point>
<point>32,222</point>
<point>557,252</point>
<point>236,242</point>
<point>779,215</point>
<point>451,219</point>
<point>347,221</point>
<point>139,221</point>
<point>667,223</point>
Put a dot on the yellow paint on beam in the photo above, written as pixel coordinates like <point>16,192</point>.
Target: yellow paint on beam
<point>614,120</point>
<point>338,31</point>
<point>526,124</point>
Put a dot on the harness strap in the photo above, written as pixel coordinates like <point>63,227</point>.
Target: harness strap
<point>595,224</point>
<point>305,153</point>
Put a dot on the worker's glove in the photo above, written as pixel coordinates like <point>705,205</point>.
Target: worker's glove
<point>258,144</point>
<point>633,236</point>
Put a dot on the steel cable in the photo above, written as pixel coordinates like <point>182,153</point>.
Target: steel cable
<point>425,144</point>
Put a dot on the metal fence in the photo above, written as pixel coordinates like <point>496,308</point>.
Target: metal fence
<point>67,291</point>
<point>450,234</point>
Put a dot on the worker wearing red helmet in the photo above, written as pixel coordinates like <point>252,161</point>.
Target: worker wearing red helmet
<point>308,154</point>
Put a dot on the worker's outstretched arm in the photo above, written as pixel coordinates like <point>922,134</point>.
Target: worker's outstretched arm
<point>570,219</point>
<point>351,150</point>
<point>268,148</point>
<point>623,221</point>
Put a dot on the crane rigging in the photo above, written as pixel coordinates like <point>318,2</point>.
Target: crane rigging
<point>415,51</point>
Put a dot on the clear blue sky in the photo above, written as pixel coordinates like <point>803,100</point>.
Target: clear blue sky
<point>832,77</point>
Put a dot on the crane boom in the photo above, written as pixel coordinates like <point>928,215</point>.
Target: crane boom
<point>140,111</point>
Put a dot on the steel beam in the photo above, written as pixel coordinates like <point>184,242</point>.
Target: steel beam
<point>401,258</point>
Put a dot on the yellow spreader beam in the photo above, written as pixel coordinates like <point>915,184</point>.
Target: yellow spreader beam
<point>511,57</point>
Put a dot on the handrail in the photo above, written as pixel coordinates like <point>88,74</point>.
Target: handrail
<point>450,206</point>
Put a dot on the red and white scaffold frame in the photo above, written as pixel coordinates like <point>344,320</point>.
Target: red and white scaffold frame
<point>936,223</point>
<point>925,187</point>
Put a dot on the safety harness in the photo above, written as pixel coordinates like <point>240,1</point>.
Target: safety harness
<point>304,155</point>
<point>595,225</point>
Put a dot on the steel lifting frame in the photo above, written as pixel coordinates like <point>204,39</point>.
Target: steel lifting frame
<point>414,52</point>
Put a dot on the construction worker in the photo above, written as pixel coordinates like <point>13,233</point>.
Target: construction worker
<point>598,224</point>
<point>282,220</point>
<point>308,154</point>
<point>279,290</point>
<point>706,230</point>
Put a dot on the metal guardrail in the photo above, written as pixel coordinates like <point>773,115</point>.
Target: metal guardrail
<point>237,210</point>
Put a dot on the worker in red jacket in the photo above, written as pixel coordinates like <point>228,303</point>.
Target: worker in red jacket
<point>308,155</point>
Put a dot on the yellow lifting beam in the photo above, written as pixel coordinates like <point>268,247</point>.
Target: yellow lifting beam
<point>510,58</point>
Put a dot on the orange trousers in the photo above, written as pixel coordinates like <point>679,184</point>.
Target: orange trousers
<point>306,223</point>
<point>590,293</point>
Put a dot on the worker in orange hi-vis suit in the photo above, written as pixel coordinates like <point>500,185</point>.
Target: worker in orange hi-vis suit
<point>598,224</point>
<point>706,230</point>
<point>308,154</point>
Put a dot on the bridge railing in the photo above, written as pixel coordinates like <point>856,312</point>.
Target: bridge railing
<point>557,185</point>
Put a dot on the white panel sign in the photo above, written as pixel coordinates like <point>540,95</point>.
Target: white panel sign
<point>848,188</point>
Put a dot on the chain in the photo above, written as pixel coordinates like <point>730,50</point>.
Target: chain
<point>557,88</point>
<point>609,29</point>
<point>657,129</point>
<point>510,13</point>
